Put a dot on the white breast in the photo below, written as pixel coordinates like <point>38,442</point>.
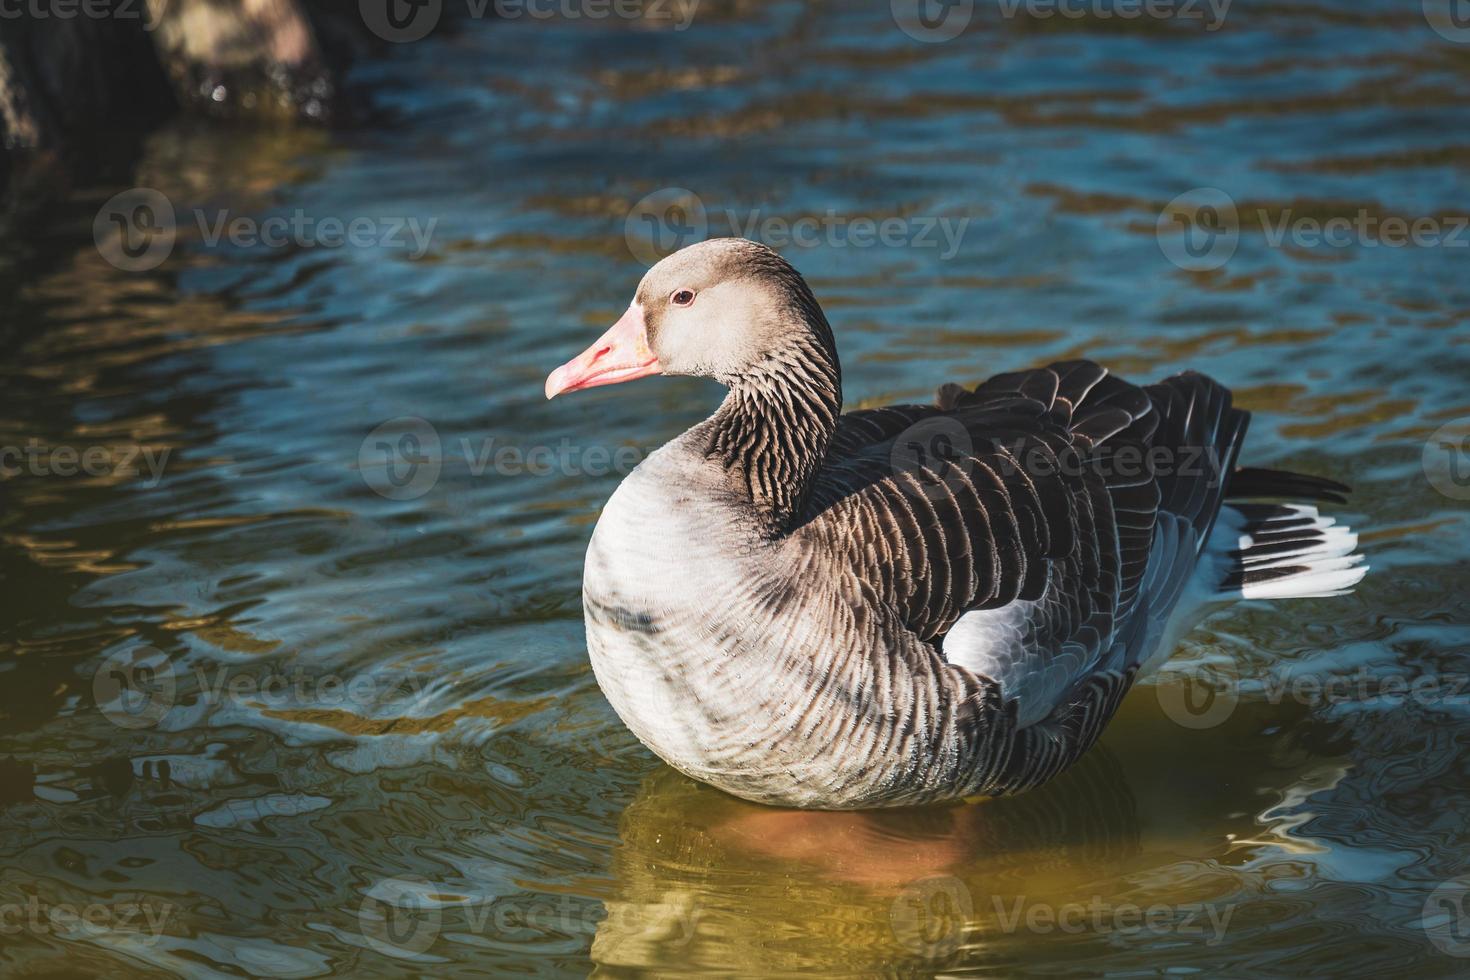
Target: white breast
<point>662,594</point>
<point>662,542</point>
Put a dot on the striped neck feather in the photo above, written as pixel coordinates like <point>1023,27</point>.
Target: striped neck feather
<point>773,429</point>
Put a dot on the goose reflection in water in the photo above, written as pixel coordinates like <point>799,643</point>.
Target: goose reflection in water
<point>948,886</point>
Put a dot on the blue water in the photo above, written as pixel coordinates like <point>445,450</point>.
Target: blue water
<point>416,773</point>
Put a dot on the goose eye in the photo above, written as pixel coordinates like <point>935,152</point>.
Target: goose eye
<point>682,297</point>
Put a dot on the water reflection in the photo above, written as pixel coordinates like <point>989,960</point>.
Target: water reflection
<point>708,882</point>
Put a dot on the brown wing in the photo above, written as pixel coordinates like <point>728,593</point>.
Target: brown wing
<point>968,504</point>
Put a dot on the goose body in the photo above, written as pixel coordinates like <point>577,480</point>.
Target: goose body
<point>915,603</point>
<point>773,691</point>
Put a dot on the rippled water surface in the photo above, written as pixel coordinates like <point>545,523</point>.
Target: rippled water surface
<point>306,710</point>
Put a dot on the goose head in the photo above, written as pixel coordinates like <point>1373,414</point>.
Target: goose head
<point>726,309</point>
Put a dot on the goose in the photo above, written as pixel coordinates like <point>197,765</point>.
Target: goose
<point>911,604</point>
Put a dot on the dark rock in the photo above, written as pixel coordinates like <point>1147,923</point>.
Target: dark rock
<point>75,72</point>
<point>257,59</point>
<point>61,78</point>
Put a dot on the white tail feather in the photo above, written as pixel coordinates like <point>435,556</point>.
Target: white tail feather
<point>1285,552</point>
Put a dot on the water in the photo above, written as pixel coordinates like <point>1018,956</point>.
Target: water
<point>300,719</point>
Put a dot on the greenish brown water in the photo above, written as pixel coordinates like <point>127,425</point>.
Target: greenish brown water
<point>273,702</point>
